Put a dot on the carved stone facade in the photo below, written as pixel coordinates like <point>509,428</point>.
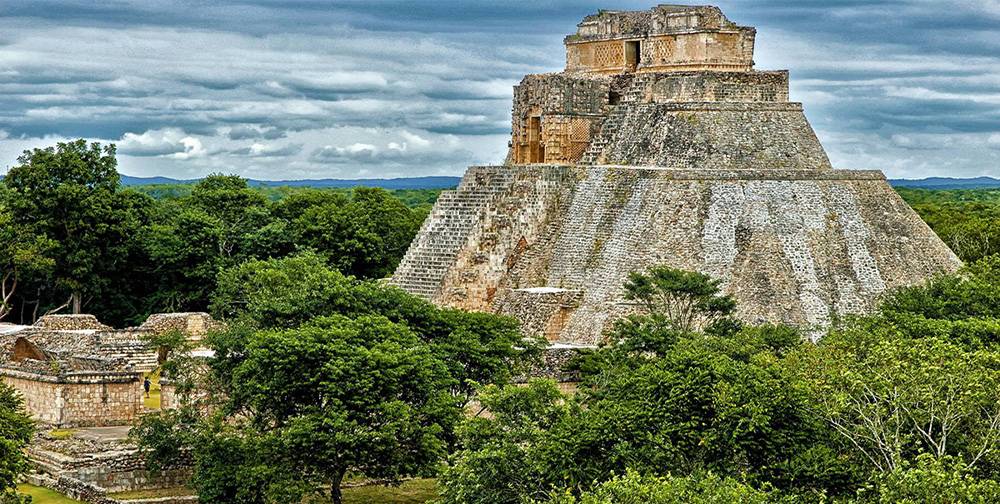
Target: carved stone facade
<point>667,37</point>
<point>712,170</point>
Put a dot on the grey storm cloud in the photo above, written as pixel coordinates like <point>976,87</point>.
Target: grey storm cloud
<point>273,88</point>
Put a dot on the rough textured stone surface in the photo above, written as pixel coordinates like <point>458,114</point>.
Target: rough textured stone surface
<point>78,399</point>
<point>793,246</point>
<point>88,471</point>
<point>70,323</point>
<point>664,37</point>
<point>194,325</point>
<point>693,160</point>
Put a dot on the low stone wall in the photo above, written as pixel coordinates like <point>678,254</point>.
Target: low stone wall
<point>94,494</point>
<point>78,399</point>
<point>120,468</point>
<point>193,324</point>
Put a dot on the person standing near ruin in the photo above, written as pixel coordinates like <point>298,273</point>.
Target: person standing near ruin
<point>145,385</point>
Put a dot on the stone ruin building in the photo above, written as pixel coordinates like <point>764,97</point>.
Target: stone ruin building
<point>661,145</point>
<point>74,371</point>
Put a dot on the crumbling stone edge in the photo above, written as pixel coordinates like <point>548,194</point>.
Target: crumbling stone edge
<point>93,494</point>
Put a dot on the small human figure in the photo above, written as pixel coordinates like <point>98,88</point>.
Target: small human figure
<point>145,385</point>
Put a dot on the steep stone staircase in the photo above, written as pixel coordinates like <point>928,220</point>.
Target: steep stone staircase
<point>612,124</point>
<point>447,229</point>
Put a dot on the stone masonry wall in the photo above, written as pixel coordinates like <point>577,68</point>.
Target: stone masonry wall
<point>543,311</point>
<point>720,136</point>
<point>507,225</point>
<point>718,87</point>
<point>78,399</point>
<point>670,36</point>
<point>555,117</point>
<point>793,246</point>
<point>193,324</point>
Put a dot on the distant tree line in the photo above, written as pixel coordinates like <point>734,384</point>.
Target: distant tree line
<point>73,239</point>
<point>417,199</point>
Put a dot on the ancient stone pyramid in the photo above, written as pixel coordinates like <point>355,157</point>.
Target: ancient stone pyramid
<point>661,145</point>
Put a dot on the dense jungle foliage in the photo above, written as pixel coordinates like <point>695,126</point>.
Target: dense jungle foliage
<point>966,219</point>
<point>325,373</point>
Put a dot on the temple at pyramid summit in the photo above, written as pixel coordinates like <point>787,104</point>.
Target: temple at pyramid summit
<point>660,144</point>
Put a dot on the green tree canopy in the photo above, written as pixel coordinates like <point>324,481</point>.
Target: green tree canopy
<point>69,194</point>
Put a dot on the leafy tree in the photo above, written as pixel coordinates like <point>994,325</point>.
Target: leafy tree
<point>930,480</point>
<point>893,398</point>
<point>22,253</point>
<point>16,431</point>
<point>728,405</point>
<point>186,261</point>
<point>323,374</point>
<point>362,395</point>
<point>498,462</point>
<point>685,299</point>
<point>238,209</point>
<point>307,405</point>
<point>69,194</point>
<point>365,236</point>
<point>289,292</point>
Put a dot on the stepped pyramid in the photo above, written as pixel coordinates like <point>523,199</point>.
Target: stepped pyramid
<point>661,145</point>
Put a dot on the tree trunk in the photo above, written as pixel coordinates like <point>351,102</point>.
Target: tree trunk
<point>76,302</point>
<point>335,496</point>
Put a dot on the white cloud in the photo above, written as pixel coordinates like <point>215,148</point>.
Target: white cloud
<point>192,149</point>
<point>155,143</point>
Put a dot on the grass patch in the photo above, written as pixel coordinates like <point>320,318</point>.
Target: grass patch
<point>418,491</point>
<point>40,495</point>
<point>152,494</point>
<point>61,434</point>
<point>153,401</point>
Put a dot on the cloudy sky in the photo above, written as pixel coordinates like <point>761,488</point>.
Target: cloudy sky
<point>293,89</point>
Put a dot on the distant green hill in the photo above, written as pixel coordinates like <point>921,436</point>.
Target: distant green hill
<point>946,183</point>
